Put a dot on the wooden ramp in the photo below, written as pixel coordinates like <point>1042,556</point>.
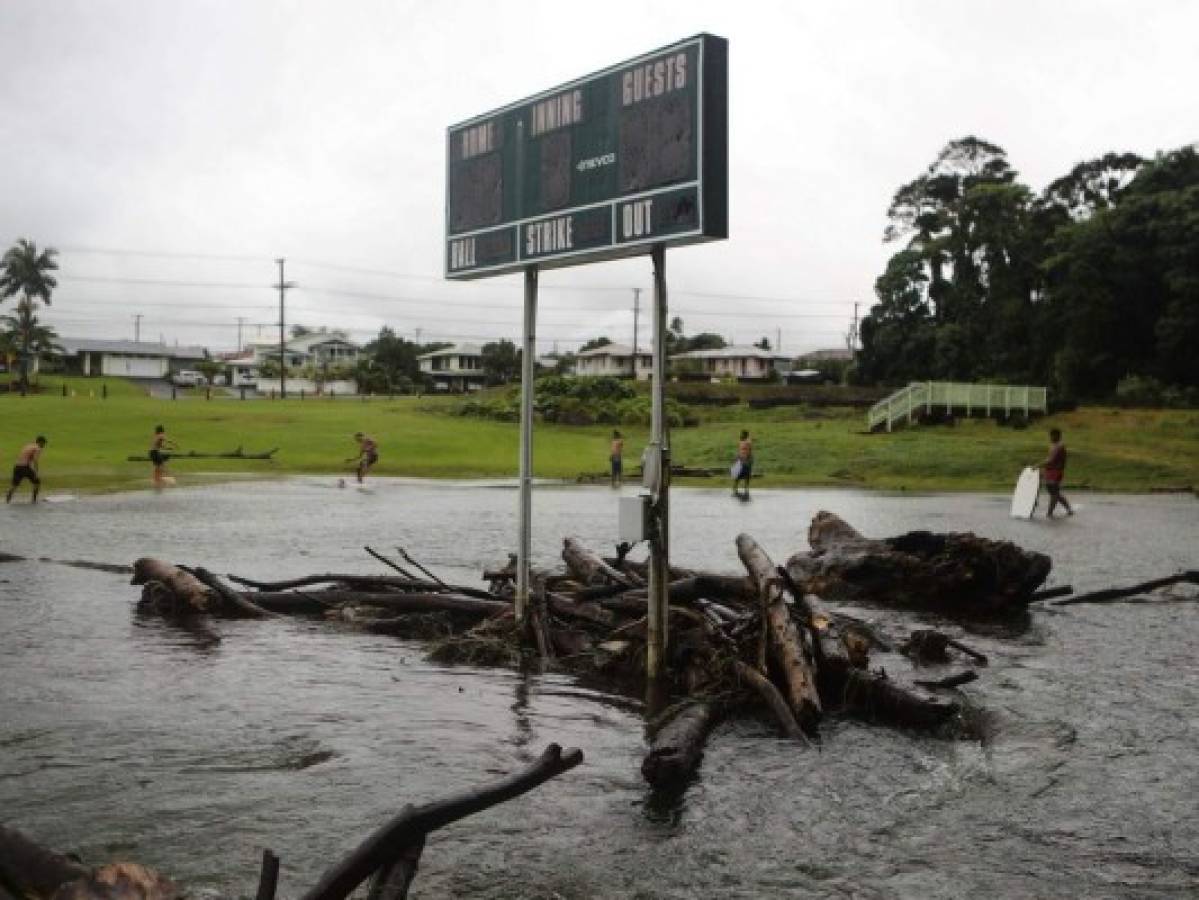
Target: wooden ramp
<point>920,398</point>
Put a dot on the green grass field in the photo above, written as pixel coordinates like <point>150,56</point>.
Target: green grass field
<point>90,437</point>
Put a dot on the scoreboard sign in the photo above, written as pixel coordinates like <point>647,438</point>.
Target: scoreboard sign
<point>599,168</point>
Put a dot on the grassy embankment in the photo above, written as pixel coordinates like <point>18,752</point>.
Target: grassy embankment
<point>1110,449</point>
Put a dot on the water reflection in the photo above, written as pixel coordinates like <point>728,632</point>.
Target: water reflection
<point>193,633</point>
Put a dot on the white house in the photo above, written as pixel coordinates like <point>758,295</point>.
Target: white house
<point>321,349</point>
<point>742,363</point>
<point>458,367</point>
<point>615,360</point>
<point>127,359</point>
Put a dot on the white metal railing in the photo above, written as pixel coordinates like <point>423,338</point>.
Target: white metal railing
<point>973,398</point>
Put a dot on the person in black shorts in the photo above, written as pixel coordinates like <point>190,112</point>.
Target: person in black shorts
<point>158,454</point>
<point>26,467</point>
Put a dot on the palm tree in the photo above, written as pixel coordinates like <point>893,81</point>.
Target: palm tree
<point>29,336</point>
<point>26,271</point>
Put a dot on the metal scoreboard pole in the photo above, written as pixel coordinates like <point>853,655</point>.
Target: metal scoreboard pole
<point>524,549</point>
<point>657,620</point>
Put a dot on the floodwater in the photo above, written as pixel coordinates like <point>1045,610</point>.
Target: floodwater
<point>123,737</point>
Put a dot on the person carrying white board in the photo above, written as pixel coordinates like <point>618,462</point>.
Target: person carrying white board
<point>1053,469</point>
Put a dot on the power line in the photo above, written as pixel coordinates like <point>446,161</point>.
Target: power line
<point>155,282</point>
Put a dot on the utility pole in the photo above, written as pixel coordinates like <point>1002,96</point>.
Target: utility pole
<point>778,340</point>
<point>636,319</point>
<point>852,341</point>
<point>418,331</point>
<point>137,328</point>
<point>283,287</point>
<point>241,320</point>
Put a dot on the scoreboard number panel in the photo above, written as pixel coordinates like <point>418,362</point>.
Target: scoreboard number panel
<point>599,168</point>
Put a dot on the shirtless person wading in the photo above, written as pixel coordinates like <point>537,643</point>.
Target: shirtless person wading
<point>159,456</point>
<point>26,467</point>
<point>368,454</point>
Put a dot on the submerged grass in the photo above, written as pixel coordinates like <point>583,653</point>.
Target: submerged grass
<point>90,437</point>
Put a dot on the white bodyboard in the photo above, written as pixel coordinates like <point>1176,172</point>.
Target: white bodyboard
<point>1024,498</point>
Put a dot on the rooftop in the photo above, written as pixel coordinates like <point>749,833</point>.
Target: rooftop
<point>731,353</point>
<point>454,350</point>
<point>131,348</point>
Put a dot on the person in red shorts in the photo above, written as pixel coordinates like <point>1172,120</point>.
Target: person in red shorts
<point>1053,470</point>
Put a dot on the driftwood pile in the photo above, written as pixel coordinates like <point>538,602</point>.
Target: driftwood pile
<point>765,640</point>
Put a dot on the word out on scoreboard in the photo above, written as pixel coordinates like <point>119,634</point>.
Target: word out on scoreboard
<point>599,168</point>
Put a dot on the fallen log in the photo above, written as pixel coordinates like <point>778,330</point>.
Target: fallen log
<point>876,697</point>
<point>951,681</point>
<point>959,575</point>
<point>677,747</point>
<point>1064,590</point>
<point>1110,595</point>
<point>319,601</point>
<point>584,611</point>
<point>232,454</point>
<point>391,564</point>
<point>786,643</point>
<point>233,598</point>
<point>774,700</point>
<point>31,869</point>
<point>392,881</point>
<point>120,880</point>
<point>363,582</point>
<point>587,565</point>
<point>182,585</point>
<point>414,823</point>
<point>268,877</point>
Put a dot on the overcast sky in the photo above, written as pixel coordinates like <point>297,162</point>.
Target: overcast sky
<point>172,150</point>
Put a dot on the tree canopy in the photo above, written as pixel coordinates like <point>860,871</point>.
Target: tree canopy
<point>25,271</point>
<point>1093,280</point>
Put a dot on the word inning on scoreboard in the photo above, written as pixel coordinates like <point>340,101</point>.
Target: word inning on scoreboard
<point>599,168</point>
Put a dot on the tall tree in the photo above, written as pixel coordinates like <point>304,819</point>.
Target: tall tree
<point>966,272</point>
<point>501,361</point>
<point>595,344</point>
<point>26,271</point>
<point>28,336</point>
<point>1123,285</point>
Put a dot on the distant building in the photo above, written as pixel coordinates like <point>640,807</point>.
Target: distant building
<point>321,349</point>
<point>616,361</point>
<point>742,363</point>
<point>317,351</point>
<point>458,367</point>
<point>127,359</point>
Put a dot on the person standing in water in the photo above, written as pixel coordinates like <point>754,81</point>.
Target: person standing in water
<point>368,454</point>
<point>616,458</point>
<point>744,466</point>
<point>26,467</point>
<point>1054,469</point>
<point>159,456</point>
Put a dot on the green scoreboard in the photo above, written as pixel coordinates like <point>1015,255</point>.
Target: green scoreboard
<point>598,168</point>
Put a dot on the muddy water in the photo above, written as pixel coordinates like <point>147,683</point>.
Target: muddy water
<point>123,737</point>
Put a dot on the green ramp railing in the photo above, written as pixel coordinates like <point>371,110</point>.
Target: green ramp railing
<point>984,399</point>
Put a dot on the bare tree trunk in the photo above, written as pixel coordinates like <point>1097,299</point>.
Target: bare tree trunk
<point>787,645</point>
<point>185,586</point>
<point>414,823</point>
